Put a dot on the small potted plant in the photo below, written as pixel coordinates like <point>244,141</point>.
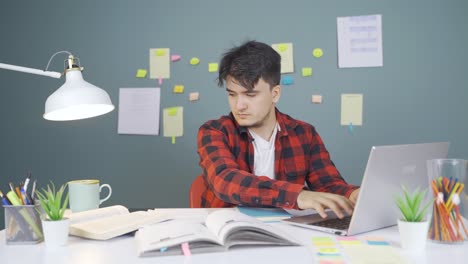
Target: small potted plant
<point>54,204</point>
<point>414,224</point>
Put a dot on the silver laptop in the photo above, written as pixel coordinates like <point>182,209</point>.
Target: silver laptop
<point>387,169</point>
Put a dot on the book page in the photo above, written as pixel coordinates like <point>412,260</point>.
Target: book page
<point>235,228</point>
<point>97,213</point>
<point>164,235</point>
<point>109,227</point>
<point>219,220</point>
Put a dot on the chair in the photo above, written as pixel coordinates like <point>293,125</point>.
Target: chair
<point>196,190</point>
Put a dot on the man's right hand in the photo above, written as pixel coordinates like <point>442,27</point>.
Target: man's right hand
<point>322,200</point>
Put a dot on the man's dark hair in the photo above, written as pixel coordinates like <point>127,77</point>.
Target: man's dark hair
<point>250,62</point>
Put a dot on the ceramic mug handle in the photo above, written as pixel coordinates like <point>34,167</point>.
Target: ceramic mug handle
<point>108,195</point>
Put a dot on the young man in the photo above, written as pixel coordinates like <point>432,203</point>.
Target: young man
<point>257,156</point>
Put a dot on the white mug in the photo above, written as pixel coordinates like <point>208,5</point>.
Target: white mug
<point>85,194</point>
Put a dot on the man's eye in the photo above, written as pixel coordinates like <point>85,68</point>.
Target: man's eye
<point>230,94</point>
<point>251,95</point>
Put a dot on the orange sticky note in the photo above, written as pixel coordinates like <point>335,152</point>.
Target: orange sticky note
<point>194,96</point>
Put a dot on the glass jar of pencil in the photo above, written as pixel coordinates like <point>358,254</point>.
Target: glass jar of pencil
<point>447,184</point>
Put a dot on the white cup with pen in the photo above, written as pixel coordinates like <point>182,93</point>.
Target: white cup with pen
<point>85,194</point>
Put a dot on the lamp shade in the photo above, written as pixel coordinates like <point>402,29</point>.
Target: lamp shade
<point>77,99</point>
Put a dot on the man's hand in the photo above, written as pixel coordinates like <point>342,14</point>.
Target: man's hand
<point>322,200</point>
<point>354,195</point>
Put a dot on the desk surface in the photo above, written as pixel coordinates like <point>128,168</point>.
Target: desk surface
<point>122,250</point>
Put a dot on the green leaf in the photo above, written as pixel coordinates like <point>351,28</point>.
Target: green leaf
<point>53,201</point>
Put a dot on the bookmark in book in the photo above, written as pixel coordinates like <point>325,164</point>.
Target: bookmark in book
<point>186,249</point>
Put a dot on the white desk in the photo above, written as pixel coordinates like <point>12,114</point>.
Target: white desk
<point>122,250</point>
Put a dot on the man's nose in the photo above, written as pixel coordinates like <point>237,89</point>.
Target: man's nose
<point>241,104</point>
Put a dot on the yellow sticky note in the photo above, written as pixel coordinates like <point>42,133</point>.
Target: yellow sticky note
<point>306,72</point>
<point>328,250</point>
<point>283,47</point>
<point>324,244</point>
<point>141,73</point>
<point>317,53</point>
<point>172,111</point>
<point>322,239</point>
<point>194,96</point>
<point>178,89</point>
<point>160,52</point>
<point>212,67</point>
<point>194,61</point>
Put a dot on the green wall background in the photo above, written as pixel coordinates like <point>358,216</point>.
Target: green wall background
<point>419,95</point>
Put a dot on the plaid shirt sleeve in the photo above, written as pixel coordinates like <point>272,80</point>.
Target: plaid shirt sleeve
<point>232,184</point>
<point>323,175</point>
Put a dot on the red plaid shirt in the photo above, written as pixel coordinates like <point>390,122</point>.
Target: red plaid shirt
<point>227,159</point>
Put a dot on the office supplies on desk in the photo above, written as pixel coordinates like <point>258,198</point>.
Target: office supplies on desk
<point>222,229</point>
<point>387,169</point>
<point>23,224</point>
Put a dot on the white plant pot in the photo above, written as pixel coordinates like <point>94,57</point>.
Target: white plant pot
<point>413,235</point>
<point>55,232</point>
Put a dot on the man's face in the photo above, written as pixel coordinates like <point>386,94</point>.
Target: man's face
<point>254,108</point>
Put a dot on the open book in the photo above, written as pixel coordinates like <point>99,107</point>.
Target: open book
<point>221,230</point>
<point>109,222</point>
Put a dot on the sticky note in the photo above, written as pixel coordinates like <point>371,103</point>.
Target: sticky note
<point>141,73</point>
<point>160,52</point>
<point>317,53</point>
<point>324,243</point>
<point>178,89</point>
<point>159,60</point>
<point>322,239</point>
<point>378,243</point>
<point>285,50</point>
<point>287,80</point>
<point>175,57</point>
<point>327,261</point>
<point>194,96</point>
<point>160,81</point>
<point>282,47</point>
<point>316,99</point>
<point>212,67</point>
<point>172,111</point>
<point>306,72</point>
<point>328,250</point>
<point>186,249</point>
<point>194,61</point>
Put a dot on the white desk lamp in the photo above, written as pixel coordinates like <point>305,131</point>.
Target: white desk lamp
<point>76,98</point>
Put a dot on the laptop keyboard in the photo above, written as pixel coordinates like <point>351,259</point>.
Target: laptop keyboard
<point>335,223</point>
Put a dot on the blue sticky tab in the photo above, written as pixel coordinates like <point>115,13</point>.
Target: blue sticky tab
<point>163,249</point>
<point>350,128</point>
<point>378,243</point>
<point>287,80</point>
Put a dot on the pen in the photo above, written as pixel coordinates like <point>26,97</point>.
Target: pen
<point>33,191</point>
<point>18,193</point>
<point>4,199</point>
<point>26,182</point>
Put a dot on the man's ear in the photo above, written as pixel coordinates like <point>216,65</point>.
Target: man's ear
<point>276,93</point>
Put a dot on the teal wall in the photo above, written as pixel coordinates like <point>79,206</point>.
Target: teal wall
<point>419,95</point>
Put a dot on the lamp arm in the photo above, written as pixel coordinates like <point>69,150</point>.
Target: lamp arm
<point>30,70</point>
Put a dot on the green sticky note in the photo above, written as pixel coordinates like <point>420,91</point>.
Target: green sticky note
<point>172,111</point>
<point>306,72</point>
<point>173,140</point>
<point>160,52</point>
<point>212,67</point>
<point>141,73</point>
<point>317,53</point>
<point>194,61</point>
<point>282,47</point>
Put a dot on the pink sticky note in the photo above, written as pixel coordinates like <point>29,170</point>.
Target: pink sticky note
<point>186,249</point>
<point>175,57</point>
<point>160,81</point>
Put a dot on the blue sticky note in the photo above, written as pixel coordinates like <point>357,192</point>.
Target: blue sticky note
<point>163,249</point>
<point>350,128</point>
<point>287,80</point>
<point>378,243</point>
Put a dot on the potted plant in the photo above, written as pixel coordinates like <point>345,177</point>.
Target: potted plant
<point>54,204</point>
<point>414,224</point>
